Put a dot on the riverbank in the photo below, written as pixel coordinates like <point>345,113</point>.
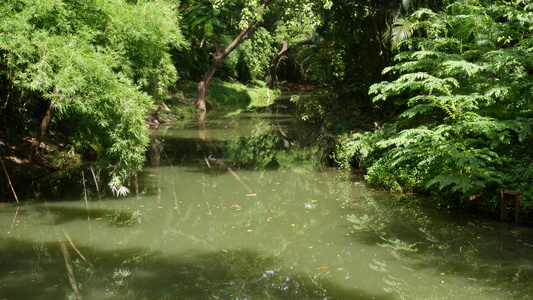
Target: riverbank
<point>19,171</point>
<point>56,150</point>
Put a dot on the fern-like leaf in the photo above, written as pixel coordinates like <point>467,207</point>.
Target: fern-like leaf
<point>401,30</point>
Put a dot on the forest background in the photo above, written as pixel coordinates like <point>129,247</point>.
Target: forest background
<point>426,97</point>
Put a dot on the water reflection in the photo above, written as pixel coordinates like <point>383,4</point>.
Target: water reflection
<point>239,207</point>
<point>150,275</point>
<point>488,258</point>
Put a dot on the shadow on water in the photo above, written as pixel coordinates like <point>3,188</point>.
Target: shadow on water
<point>241,208</point>
<point>37,271</point>
<point>248,141</point>
<point>59,215</point>
<point>494,255</point>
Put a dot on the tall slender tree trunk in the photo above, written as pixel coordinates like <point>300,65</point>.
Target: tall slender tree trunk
<point>41,130</point>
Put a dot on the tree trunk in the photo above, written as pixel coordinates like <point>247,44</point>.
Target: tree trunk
<point>39,134</point>
<point>272,77</point>
<point>203,85</point>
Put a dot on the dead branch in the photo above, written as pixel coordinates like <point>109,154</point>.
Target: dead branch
<point>9,181</point>
<point>76,249</point>
<point>70,270</point>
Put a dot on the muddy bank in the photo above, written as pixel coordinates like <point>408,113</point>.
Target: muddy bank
<point>19,170</point>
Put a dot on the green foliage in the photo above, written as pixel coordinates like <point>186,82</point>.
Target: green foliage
<point>227,93</point>
<point>518,176</point>
<point>251,60</point>
<point>60,158</point>
<point>345,55</point>
<point>236,94</point>
<point>243,34</point>
<point>401,29</point>
<point>101,63</point>
<point>258,60</point>
<point>464,88</point>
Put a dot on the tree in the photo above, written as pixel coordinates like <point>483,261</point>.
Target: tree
<point>345,56</point>
<point>272,76</point>
<point>213,19</point>
<point>98,64</point>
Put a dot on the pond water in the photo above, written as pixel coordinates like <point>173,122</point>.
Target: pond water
<point>240,207</point>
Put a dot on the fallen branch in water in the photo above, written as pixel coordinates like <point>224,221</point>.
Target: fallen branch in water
<point>190,236</point>
<point>70,270</point>
<point>76,249</point>
<point>220,160</point>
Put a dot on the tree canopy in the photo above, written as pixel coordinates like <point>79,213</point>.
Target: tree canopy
<point>234,22</point>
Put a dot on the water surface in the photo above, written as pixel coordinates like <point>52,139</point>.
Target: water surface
<point>241,208</point>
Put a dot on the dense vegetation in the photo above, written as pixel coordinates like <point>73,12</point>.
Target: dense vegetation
<point>462,86</point>
<point>423,96</point>
<point>96,65</point>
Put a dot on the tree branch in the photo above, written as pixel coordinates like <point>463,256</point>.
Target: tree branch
<point>70,270</point>
<point>252,26</point>
<point>217,46</point>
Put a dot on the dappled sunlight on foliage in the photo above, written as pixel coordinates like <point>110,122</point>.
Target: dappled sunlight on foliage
<point>465,94</point>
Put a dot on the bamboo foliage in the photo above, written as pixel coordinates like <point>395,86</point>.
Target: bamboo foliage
<point>102,62</point>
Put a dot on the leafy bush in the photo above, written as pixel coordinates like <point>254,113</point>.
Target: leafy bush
<point>464,86</point>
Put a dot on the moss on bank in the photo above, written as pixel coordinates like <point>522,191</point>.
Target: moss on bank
<point>234,94</point>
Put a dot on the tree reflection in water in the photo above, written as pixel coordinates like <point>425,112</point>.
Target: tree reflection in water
<point>143,274</point>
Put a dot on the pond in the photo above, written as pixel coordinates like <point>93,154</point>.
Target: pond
<point>240,207</point>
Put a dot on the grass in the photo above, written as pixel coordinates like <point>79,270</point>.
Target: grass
<point>223,94</point>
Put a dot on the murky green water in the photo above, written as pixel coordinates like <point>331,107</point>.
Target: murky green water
<point>240,209</point>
